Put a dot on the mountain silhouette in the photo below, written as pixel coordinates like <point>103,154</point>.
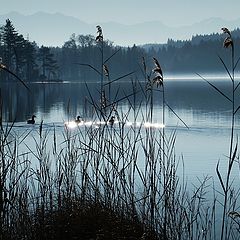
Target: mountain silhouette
<point>53,29</point>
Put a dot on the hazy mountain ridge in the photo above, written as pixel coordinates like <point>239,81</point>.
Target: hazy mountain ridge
<point>54,29</point>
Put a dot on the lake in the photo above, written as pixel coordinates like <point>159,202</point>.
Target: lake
<point>205,112</point>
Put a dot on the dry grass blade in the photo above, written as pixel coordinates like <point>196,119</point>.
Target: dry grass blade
<point>236,87</point>
<point>235,66</point>
<point>54,141</point>
<point>1,111</point>
<point>126,75</point>
<point>92,102</point>
<point>68,107</point>
<point>111,56</point>
<point>3,67</point>
<point>123,98</point>
<point>88,65</point>
<point>7,133</point>
<point>218,90</point>
<point>226,68</point>
<point>41,128</point>
<point>144,74</point>
<point>177,116</point>
<point>220,177</point>
<point>237,109</point>
<point>233,157</point>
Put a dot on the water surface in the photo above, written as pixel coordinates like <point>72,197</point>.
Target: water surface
<point>206,113</point>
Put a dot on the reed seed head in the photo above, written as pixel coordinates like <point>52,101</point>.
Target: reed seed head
<point>225,30</point>
<point>228,42</point>
<point>99,29</point>
<point>105,70</point>
<point>156,62</point>
<point>234,214</point>
<point>1,63</point>
<point>99,37</point>
<point>158,79</point>
<point>157,69</point>
<point>103,100</point>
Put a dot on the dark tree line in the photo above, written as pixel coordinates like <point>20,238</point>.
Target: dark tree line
<point>25,58</point>
<point>34,63</point>
<point>200,54</point>
<point>83,49</point>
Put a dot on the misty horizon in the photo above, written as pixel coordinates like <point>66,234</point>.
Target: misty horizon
<point>56,28</point>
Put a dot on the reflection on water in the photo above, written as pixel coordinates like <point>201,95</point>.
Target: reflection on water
<point>97,124</point>
<point>205,112</point>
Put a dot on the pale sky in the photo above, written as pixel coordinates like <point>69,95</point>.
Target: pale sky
<point>169,12</point>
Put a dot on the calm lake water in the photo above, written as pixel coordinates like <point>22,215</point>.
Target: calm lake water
<point>204,111</point>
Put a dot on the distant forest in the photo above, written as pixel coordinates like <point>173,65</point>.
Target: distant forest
<point>41,63</point>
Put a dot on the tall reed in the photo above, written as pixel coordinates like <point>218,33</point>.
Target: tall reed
<point>229,193</point>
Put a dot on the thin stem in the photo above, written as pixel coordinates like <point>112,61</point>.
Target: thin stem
<point>164,163</point>
<point>101,75</point>
<point>224,219</point>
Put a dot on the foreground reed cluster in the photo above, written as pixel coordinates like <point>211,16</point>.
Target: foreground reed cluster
<point>114,181</point>
<point>110,182</point>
